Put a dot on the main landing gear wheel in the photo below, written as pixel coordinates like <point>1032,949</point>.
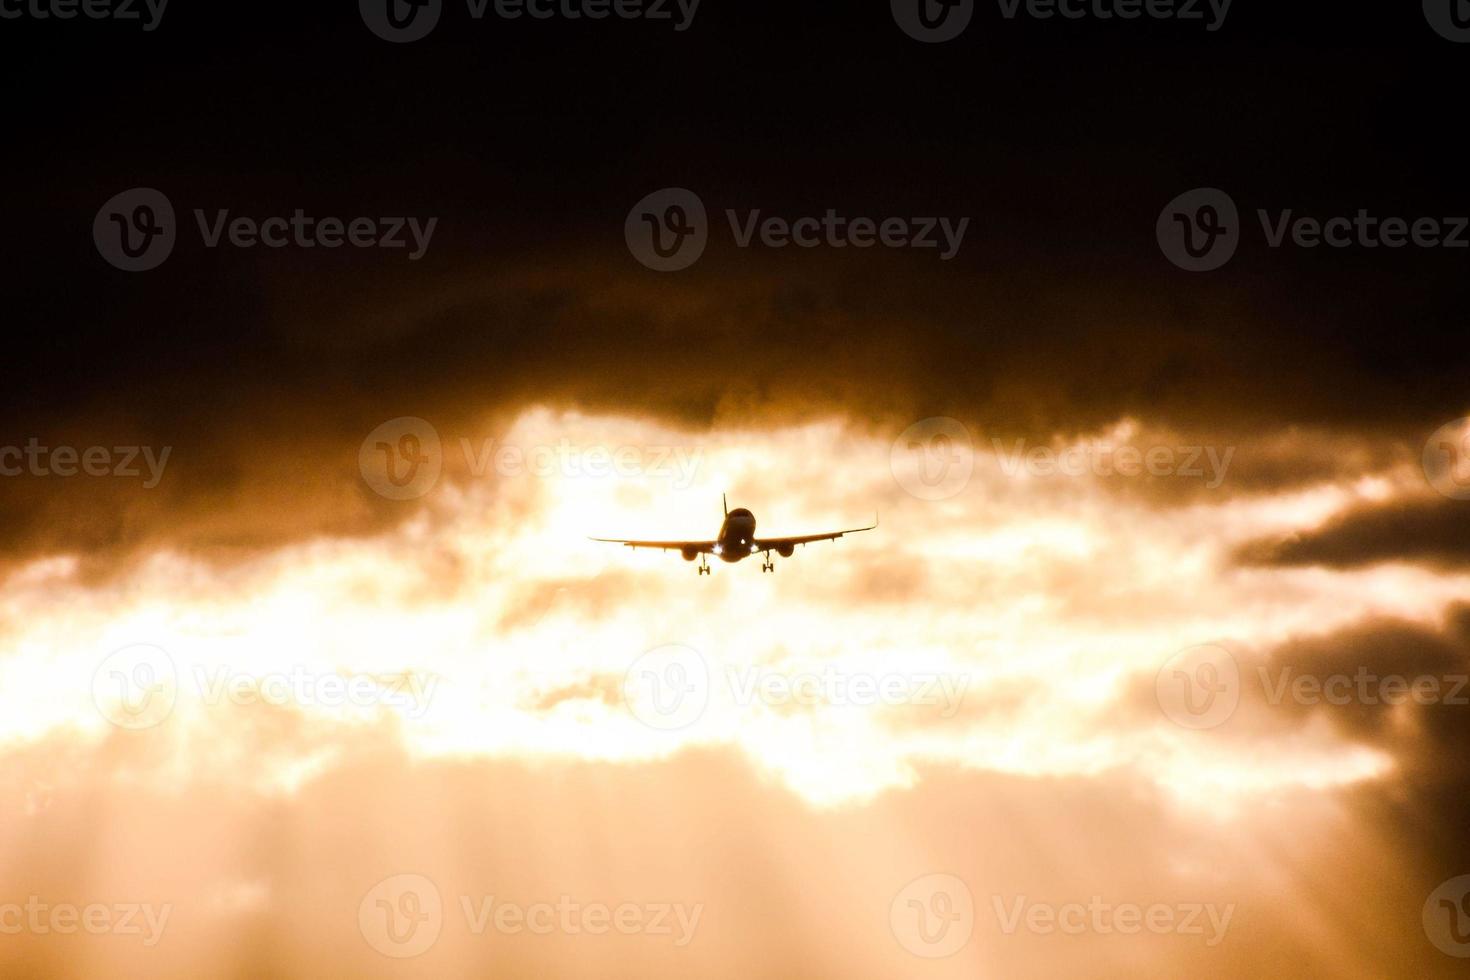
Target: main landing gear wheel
<point>769,566</point>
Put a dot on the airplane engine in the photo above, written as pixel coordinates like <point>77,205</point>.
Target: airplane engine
<point>689,554</point>
<point>785,550</point>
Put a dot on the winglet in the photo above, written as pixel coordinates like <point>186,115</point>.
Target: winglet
<point>726,504</point>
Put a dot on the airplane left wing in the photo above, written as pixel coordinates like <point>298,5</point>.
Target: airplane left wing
<point>694,547</point>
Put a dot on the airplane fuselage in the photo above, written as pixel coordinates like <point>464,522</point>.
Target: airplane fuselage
<point>737,537</point>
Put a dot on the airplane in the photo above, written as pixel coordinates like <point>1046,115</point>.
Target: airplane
<point>737,541</point>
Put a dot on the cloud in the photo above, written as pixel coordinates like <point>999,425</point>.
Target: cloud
<point>1426,530</point>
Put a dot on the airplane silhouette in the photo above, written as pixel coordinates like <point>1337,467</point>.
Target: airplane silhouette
<point>737,541</point>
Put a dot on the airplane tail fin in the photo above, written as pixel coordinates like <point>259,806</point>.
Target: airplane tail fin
<point>726,504</point>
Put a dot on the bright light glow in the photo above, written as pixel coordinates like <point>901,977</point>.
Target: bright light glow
<point>1049,603</point>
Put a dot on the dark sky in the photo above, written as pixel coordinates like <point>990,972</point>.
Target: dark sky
<point>530,141</point>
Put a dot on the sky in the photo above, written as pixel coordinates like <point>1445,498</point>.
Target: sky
<point>1156,663</point>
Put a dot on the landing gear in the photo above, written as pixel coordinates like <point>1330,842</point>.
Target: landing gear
<point>769,566</point>
<point>703,565</point>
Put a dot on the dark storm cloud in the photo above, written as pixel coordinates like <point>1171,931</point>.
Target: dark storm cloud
<point>264,369</point>
<point>1433,531</point>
